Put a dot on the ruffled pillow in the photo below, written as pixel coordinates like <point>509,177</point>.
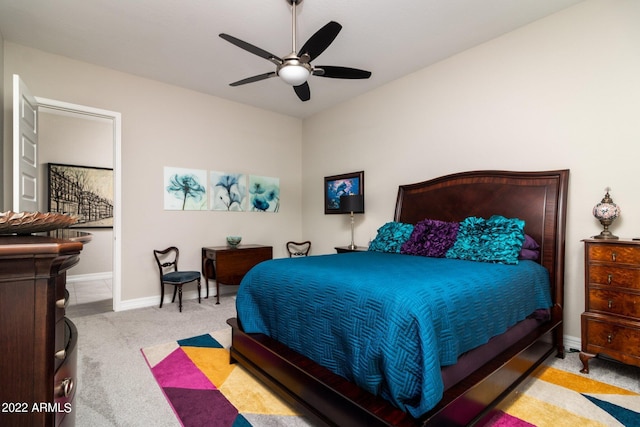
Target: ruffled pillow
<point>497,239</point>
<point>432,238</point>
<point>390,237</point>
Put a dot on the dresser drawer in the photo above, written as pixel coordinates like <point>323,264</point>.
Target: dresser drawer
<point>620,254</point>
<point>611,336</point>
<point>61,297</point>
<point>65,378</point>
<point>608,275</point>
<point>612,302</point>
<point>60,343</point>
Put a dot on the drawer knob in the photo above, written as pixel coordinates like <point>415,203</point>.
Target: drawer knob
<point>610,304</point>
<point>61,355</point>
<point>61,303</point>
<point>609,278</point>
<point>65,388</point>
<point>613,256</point>
<point>609,337</point>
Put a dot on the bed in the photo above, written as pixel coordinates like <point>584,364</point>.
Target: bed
<point>468,391</point>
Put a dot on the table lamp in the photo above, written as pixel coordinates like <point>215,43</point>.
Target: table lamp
<point>352,204</point>
<point>606,212</point>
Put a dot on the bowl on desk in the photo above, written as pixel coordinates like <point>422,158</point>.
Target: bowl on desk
<point>233,241</point>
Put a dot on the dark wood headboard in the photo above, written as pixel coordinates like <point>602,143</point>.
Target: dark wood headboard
<point>538,198</point>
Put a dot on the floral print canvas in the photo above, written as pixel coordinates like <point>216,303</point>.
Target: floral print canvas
<point>185,189</point>
<point>228,191</point>
<point>264,193</point>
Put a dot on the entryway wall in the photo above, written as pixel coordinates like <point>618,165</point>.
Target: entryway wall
<point>71,138</point>
<point>87,136</point>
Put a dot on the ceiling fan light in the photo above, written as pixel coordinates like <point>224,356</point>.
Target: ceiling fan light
<point>294,74</point>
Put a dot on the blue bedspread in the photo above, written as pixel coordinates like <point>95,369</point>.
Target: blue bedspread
<point>388,322</point>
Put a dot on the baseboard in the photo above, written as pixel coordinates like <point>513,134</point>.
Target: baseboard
<point>106,275</point>
<point>155,300</point>
<point>572,343</point>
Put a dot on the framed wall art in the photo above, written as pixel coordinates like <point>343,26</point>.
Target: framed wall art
<point>341,185</point>
<point>85,192</point>
<point>264,193</point>
<point>228,191</point>
<point>185,189</point>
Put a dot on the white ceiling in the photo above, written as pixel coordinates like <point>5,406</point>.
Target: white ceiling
<point>176,41</point>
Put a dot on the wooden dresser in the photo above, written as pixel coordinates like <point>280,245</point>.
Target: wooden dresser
<point>611,321</point>
<point>38,362</point>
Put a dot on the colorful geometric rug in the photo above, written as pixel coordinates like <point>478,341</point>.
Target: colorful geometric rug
<point>560,398</point>
<point>205,390</point>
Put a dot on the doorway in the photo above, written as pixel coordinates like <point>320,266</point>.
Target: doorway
<point>101,128</point>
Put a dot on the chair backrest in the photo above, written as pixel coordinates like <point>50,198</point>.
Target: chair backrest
<point>167,259</point>
<point>298,248</point>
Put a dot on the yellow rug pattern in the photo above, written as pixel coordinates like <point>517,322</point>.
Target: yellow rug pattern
<point>560,398</point>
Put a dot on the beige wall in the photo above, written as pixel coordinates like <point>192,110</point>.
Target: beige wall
<point>560,93</point>
<point>163,125</point>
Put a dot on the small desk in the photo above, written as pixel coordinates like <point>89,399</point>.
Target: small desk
<point>228,265</point>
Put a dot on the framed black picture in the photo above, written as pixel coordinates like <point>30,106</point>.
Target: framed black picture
<point>341,185</point>
<point>84,192</point>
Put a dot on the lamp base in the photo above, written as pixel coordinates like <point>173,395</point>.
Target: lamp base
<point>352,246</point>
<point>606,235</point>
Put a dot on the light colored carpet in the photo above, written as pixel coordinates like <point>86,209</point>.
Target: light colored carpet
<point>116,388</point>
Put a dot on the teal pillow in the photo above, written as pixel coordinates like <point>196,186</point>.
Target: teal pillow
<point>390,237</point>
<point>497,239</point>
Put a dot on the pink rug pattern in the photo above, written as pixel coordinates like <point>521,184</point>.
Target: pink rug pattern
<point>195,399</point>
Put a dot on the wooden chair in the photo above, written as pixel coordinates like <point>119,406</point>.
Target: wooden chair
<point>298,248</point>
<point>167,261</point>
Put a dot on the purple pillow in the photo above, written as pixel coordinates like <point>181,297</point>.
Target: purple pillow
<point>432,238</point>
<point>530,249</point>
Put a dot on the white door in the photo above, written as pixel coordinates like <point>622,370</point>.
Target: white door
<point>25,148</point>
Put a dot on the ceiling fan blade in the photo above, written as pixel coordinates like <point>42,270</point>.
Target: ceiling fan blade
<point>340,72</point>
<point>251,48</point>
<point>321,40</point>
<point>303,91</point>
<point>254,79</point>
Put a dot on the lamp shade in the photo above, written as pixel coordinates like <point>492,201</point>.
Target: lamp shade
<point>352,203</point>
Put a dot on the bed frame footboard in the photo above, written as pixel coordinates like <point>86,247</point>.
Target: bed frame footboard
<point>333,401</point>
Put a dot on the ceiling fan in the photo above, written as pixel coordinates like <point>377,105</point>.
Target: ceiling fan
<point>295,69</point>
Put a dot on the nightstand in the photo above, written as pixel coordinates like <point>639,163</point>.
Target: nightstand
<point>611,321</point>
<point>344,249</point>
